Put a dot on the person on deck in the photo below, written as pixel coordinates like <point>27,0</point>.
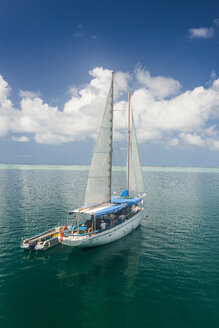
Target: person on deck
<point>103,225</point>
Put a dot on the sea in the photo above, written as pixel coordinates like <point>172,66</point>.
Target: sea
<point>163,274</point>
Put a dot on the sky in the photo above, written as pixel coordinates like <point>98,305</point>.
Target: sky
<point>56,59</point>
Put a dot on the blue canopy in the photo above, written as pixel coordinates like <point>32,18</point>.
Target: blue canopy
<point>118,204</point>
<point>110,210</point>
<point>128,201</point>
<point>125,193</point>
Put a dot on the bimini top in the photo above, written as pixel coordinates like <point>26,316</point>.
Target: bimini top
<point>110,210</point>
<point>125,200</point>
<point>117,204</point>
<point>100,209</point>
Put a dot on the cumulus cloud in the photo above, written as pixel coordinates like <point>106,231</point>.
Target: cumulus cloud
<point>192,139</point>
<point>201,32</point>
<point>20,139</point>
<point>173,142</point>
<point>162,114</point>
<point>6,109</point>
<point>213,144</point>
<point>213,75</point>
<point>158,86</point>
<point>29,94</point>
<point>4,90</point>
<point>73,91</point>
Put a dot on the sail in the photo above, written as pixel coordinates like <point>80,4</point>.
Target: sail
<point>136,177</point>
<point>99,179</point>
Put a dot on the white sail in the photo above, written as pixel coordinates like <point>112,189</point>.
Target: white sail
<point>99,179</point>
<point>136,177</point>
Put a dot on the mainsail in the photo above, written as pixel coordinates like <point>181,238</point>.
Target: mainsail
<point>136,184</point>
<point>99,179</point>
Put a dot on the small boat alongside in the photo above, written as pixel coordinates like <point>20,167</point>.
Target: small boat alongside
<point>42,241</point>
<point>103,219</point>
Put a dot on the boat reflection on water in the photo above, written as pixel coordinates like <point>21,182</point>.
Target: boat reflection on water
<point>52,253</point>
<point>80,261</point>
<point>98,275</point>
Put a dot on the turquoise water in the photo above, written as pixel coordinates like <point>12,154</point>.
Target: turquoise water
<point>116,168</point>
<point>164,274</point>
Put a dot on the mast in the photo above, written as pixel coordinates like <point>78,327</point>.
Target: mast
<point>111,144</point>
<point>128,142</point>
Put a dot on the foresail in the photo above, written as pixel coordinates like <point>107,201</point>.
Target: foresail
<point>136,177</point>
<point>99,179</point>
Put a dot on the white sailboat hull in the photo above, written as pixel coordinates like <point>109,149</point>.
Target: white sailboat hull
<point>106,236</point>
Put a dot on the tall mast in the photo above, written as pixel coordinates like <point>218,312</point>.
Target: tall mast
<point>111,144</point>
<point>128,148</point>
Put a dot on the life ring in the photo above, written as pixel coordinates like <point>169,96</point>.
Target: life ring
<point>90,231</point>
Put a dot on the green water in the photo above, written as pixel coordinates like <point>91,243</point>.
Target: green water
<point>164,274</point>
<point>115,168</point>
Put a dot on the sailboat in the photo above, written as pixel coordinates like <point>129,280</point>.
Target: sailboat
<point>104,218</point>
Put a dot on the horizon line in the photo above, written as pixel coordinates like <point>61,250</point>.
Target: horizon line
<point>115,167</point>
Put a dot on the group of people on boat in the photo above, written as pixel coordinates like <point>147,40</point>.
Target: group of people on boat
<point>107,221</point>
<point>104,219</point>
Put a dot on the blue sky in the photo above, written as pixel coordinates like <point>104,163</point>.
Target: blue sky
<point>53,54</point>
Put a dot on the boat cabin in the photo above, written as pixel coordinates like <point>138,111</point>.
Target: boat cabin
<point>92,219</point>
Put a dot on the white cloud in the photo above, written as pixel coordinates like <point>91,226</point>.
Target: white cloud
<point>213,144</point>
<point>201,32</point>
<point>192,139</point>
<point>29,94</point>
<point>158,86</point>
<point>80,117</point>
<point>188,111</point>
<point>189,118</point>
<point>213,75</point>
<point>4,90</point>
<point>211,131</point>
<point>173,142</point>
<point>6,107</point>
<point>121,83</point>
<point>50,138</point>
<point>73,91</point>
<point>4,123</point>
<point>20,139</point>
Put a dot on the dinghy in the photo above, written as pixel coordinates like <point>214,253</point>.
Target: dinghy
<point>42,241</point>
